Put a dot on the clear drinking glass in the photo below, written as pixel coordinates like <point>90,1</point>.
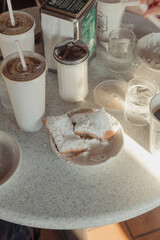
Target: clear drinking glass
<point>138,95</point>
<point>121,45</point>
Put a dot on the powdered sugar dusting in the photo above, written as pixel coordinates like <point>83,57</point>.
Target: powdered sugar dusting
<point>97,151</point>
<point>148,49</point>
<point>95,124</point>
<point>61,129</point>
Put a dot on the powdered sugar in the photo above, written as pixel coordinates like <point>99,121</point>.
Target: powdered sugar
<point>66,140</point>
<point>95,150</point>
<point>95,124</point>
<point>148,50</point>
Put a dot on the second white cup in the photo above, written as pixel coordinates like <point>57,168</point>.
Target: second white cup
<point>109,17</point>
<point>26,88</point>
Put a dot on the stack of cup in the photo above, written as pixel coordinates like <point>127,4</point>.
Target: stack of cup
<point>22,69</point>
<point>15,25</point>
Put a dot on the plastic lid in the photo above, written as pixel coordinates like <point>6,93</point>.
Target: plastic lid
<point>110,94</point>
<point>71,52</point>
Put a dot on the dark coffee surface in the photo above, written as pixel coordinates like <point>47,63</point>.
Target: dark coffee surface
<point>22,23</point>
<point>13,69</point>
<point>157,113</point>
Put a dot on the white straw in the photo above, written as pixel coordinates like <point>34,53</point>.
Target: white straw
<point>10,12</point>
<point>21,55</point>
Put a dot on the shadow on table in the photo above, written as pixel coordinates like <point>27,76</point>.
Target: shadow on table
<point>11,231</point>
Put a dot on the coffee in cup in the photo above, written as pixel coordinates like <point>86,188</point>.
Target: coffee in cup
<point>26,88</point>
<point>22,31</point>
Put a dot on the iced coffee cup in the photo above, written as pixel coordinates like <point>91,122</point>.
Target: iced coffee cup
<point>22,31</point>
<point>26,88</point>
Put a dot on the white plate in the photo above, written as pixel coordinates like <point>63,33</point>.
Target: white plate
<point>148,50</point>
<point>97,157</point>
<point>9,156</point>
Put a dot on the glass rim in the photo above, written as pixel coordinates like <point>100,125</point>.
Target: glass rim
<point>150,81</point>
<point>122,29</point>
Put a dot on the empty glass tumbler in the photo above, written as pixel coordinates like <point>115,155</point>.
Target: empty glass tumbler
<point>121,46</point>
<point>138,95</point>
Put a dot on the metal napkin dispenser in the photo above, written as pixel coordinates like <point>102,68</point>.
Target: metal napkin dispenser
<point>66,19</point>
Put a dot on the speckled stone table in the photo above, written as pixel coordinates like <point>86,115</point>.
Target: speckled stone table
<point>46,192</point>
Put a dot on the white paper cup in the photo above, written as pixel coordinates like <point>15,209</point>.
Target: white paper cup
<point>109,17</point>
<point>9,34</point>
<point>27,95</point>
<point>5,100</point>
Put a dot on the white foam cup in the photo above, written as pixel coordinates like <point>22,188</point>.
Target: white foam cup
<point>27,96</point>
<point>109,17</point>
<point>26,38</point>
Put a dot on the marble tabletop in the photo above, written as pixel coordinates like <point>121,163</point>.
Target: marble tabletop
<point>47,192</point>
